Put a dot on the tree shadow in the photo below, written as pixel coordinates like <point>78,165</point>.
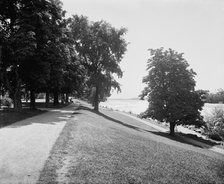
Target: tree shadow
<point>9,116</point>
<point>200,139</point>
<point>111,119</point>
<point>75,113</point>
<point>14,119</point>
<point>50,105</point>
<point>178,137</point>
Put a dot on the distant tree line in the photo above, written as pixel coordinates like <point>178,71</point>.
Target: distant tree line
<point>217,97</point>
<point>41,51</point>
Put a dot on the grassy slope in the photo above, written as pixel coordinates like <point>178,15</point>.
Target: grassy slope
<point>111,148</point>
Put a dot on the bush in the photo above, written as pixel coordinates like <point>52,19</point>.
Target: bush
<point>215,125</point>
<point>5,101</point>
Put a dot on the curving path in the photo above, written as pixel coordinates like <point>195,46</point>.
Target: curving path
<point>25,145</point>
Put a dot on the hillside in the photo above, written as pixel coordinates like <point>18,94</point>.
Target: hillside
<point>109,147</point>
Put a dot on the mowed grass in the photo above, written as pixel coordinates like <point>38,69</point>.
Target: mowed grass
<point>112,148</point>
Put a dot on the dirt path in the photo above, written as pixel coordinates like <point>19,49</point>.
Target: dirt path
<point>25,145</point>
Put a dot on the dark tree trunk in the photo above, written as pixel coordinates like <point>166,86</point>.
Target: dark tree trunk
<point>96,100</point>
<point>17,96</point>
<point>15,92</point>
<point>0,101</point>
<point>66,98</point>
<point>172,128</point>
<point>47,100</point>
<point>26,95</point>
<point>56,101</point>
<point>32,99</point>
<point>62,98</point>
<point>17,101</point>
<point>15,87</point>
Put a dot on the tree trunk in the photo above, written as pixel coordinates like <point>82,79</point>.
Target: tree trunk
<point>96,100</point>
<point>47,100</point>
<point>14,89</point>
<point>32,100</point>
<point>172,128</point>
<point>1,101</point>
<point>17,95</point>
<point>62,98</point>
<point>26,96</point>
<point>17,101</point>
<point>66,98</point>
<point>56,101</point>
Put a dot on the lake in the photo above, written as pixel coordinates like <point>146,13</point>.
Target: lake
<point>128,105</point>
<point>137,106</point>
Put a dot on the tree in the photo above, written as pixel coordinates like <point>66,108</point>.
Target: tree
<point>44,71</point>
<point>217,97</point>
<point>18,42</point>
<point>74,77</point>
<point>101,48</point>
<point>170,89</point>
<point>34,49</point>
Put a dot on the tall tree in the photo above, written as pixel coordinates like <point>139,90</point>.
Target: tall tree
<point>74,77</point>
<point>101,48</point>
<point>18,43</point>
<point>170,89</point>
<point>35,69</point>
<point>33,37</point>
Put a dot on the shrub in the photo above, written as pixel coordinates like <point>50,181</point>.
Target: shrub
<point>215,125</point>
<point>5,101</point>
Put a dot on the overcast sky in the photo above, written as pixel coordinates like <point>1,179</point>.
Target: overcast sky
<point>194,27</point>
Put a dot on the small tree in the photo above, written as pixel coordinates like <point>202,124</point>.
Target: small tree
<point>214,126</point>
<point>170,89</point>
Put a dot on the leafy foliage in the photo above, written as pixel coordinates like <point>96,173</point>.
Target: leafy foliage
<point>214,126</point>
<point>6,101</point>
<point>170,89</point>
<point>101,48</point>
<point>217,97</point>
<point>42,51</point>
<point>18,43</point>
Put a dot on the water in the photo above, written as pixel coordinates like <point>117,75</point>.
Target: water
<point>128,105</point>
<point>209,109</point>
<point>137,106</point>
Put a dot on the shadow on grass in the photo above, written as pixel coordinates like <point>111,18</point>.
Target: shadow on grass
<point>178,137</point>
<point>195,137</point>
<point>112,119</point>
<point>75,113</point>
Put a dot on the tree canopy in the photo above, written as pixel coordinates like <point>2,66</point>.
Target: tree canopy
<point>42,51</point>
<point>101,48</point>
<point>171,89</point>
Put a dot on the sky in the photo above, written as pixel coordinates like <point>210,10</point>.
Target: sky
<point>192,27</point>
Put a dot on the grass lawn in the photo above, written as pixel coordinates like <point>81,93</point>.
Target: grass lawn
<point>8,116</point>
<point>112,148</point>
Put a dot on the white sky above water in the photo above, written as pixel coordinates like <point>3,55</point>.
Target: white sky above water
<point>194,27</point>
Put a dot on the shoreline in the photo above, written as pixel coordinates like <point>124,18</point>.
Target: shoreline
<point>110,147</point>
<point>164,127</point>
